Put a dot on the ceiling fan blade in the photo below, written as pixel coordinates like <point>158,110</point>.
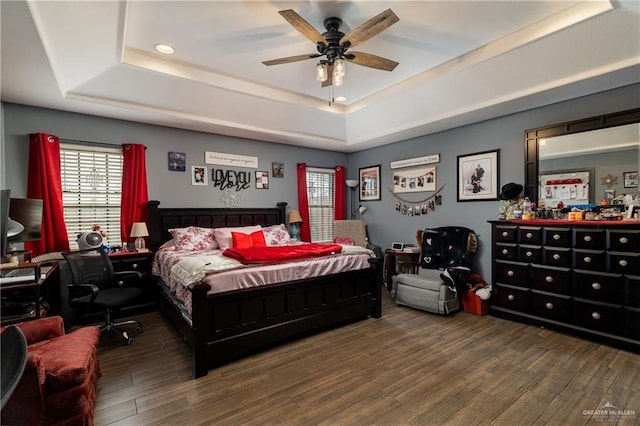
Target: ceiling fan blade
<point>371,61</point>
<point>291,59</point>
<point>329,81</point>
<point>302,26</point>
<point>370,28</point>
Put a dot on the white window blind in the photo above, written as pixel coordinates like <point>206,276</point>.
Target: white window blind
<point>320,192</point>
<point>91,190</point>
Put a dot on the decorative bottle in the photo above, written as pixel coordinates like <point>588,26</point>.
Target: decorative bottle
<point>526,209</point>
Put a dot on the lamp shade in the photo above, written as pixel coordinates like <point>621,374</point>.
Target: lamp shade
<point>294,216</point>
<point>351,183</point>
<point>139,229</point>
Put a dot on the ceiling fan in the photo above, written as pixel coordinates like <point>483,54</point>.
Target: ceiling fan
<point>334,45</point>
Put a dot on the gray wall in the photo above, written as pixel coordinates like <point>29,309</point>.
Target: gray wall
<point>385,224</point>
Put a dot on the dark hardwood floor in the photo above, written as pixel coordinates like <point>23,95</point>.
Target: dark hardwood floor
<point>408,367</point>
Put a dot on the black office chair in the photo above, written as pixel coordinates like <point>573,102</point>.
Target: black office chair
<point>95,284</point>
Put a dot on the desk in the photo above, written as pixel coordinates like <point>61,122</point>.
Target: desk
<point>390,259</point>
<point>25,296</point>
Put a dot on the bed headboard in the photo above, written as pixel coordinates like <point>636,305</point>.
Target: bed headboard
<point>163,219</point>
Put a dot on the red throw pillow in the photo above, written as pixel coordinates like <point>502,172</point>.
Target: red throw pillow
<point>255,239</point>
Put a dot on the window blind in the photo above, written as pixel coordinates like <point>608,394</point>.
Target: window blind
<point>320,193</point>
<point>91,190</point>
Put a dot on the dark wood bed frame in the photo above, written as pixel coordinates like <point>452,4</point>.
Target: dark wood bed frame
<point>226,326</point>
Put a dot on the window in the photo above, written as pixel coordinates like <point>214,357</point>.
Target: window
<point>91,190</point>
<point>320,192</point>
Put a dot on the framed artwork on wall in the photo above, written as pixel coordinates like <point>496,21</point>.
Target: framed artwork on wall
<point>199,176</point>
<point>479,176</point>
<point>630,179</point>
<point>369,183</point>
<point>262,180</point>
<point>177,161</point>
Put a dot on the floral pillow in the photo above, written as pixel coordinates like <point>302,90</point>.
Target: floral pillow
<point>193,238</point>
<point>276,235</point>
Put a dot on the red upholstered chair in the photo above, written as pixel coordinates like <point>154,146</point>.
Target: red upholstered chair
<point>58,386</point>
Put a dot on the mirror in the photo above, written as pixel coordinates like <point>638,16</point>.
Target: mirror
<point>595,159</point>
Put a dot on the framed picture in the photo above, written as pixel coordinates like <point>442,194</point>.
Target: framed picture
<point>609,194</point>
<point>369,183</point>
<point>262,180</point>
<point>177,161</point>
<point>414,179</point>
<point>630,179</point>
<point>199,176</point>
<point>478,176</point>
<point>277,169</point>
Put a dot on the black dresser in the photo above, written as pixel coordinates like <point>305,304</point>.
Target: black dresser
<point>581,277</point>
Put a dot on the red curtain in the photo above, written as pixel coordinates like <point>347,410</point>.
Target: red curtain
<point>45,183</point>
<point>133,207</point>
<point>303,203</point>
<point>339,201</point>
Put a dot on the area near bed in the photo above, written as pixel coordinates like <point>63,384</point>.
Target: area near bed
<point>228,306</point>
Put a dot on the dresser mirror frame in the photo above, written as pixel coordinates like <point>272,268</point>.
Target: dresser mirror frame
<point>532,138</point>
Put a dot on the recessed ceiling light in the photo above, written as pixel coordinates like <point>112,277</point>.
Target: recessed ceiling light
<point>341,99</point>
<point>164,48</point>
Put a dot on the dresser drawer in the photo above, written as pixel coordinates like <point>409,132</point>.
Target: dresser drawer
<point>506,251</point>
<point>624,263</point>
<point>624,240</point>
<point>595,260</point>
<point>633,286</point>
<point>530,254</point>
<point>507,234</point>
<point>590,238</point>
<point>599,287</point>
<point>599,316</point>
<point>511,297</point>
<point>551,306</point>
<point>556,280</point>
<point>530,235</point>
<point>511,273</point>
<point>557,256</point>
<point>562,237</point>
<point>633,323</point>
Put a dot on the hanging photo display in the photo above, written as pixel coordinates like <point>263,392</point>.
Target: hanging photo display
<point>414,179</point>
<point>417,207</point>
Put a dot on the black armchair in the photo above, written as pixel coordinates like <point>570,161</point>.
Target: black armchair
<point>96,284</point>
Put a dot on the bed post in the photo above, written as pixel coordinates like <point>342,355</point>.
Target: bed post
<point>282,205</point>
<point>201,318</point>
<point>155,226</point>
<point>376,309</point>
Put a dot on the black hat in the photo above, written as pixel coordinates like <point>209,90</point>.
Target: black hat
<point>510,191</point>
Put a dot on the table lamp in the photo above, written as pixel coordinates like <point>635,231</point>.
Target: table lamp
<point>139,230</point>
<point>294,220</point>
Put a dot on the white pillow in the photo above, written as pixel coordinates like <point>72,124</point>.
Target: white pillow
<point>193,238</point>
<point>276,235</point>
<point>223,235</point>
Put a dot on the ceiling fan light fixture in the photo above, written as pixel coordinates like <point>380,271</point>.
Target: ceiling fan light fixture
<point>338,79</point>
<point>339,67</point>
<point>321,72</point>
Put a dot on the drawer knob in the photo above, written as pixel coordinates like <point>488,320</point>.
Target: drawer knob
<point>622,262</point>
<point>587,259</point>
<point>596,286</point>
<point>549,305</point>
<point>556,256</point>
<point>510,273</point>
<point>505,234</point>
<point>587,238</point>
<point>549,279</point>
<point>623,240</point>
<point>529,254</point>
<point>595,315</point>
<point>120,283</point>
<point>134,266</point>
<point>529,235</point>
<point>556,237</point>
<point>511,297</point>
<point>505,251</point>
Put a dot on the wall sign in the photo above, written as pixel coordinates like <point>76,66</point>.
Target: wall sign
<point>225,179</point>
<point>235,160</point>
<point>418,161</point>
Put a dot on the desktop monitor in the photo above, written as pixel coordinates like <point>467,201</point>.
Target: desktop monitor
<point>28,213</point>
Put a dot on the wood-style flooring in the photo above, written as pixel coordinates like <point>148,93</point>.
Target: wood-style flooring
<point>408,367</point>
